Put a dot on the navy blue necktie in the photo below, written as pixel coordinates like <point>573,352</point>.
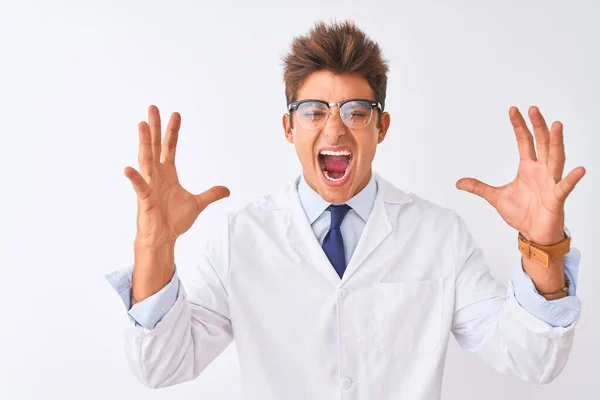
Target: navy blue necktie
<point>333,244</point>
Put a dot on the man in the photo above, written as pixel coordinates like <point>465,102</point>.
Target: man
<point>342,285</point>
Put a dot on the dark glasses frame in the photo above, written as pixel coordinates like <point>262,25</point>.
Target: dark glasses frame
<point>294,106</point>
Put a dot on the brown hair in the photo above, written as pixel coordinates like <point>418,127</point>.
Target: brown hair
<point>338,48</point>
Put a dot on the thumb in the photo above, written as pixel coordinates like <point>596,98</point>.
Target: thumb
<point>479,188</point>
<point>139,184</point>
<point>213,194</point>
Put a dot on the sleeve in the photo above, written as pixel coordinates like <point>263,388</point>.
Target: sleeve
<point>489,321</point>
<point>193,332</point>
<point>151,310</point>
<point>561,312</point>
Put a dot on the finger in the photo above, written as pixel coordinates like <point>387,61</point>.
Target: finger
<point>170,143</point>
<point>524,138</point>
<point>566,185</point>
<point>145,151</point>
<point>489,193</point>
<point>556,156</point>
<point>541,132</point>
<point>210,196</point>
<point>139,184</point>
<point>154,122</point>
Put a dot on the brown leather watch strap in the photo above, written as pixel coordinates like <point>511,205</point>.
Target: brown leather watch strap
<point>541,253</point>
<point>555,296</point>
<point>559,294</point>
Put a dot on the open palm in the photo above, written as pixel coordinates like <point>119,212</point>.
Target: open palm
<point>533,203</point>
<point>165,209</point>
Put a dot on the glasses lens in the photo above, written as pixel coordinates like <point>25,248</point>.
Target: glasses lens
<point>356,114</point>
<point>312,115</point>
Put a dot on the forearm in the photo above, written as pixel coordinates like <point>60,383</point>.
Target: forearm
<point>153,269</point>
<point>546,280</point>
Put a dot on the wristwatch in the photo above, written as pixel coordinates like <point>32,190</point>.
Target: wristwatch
<point>544,254</point>
<point>563,292</point>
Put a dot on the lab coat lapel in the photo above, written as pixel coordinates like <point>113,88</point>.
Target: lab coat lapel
<point>380,224</point>
<point>306,247</point>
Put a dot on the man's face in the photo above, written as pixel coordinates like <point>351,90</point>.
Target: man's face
<point>338,176</point>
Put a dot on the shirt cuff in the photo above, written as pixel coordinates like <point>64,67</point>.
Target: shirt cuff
<point>151,310</point>
<point>560,312</point>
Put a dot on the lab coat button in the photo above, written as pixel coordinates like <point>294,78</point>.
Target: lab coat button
<point>342,293</point>
<point>346,383</point>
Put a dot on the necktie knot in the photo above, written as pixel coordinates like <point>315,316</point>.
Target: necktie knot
<point>338,212</point>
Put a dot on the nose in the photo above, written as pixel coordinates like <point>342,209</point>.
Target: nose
<point>334,127</point>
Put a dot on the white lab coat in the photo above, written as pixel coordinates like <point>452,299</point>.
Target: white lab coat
<point>381,332</point>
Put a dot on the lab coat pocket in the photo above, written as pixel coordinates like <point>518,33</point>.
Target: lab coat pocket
<point>408,315</point>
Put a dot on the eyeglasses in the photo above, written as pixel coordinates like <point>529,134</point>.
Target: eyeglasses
<point>313,114</point>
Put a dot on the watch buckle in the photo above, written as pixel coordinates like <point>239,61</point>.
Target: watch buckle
<point>532,253</point>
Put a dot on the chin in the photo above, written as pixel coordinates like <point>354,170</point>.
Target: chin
<point>335,197</point>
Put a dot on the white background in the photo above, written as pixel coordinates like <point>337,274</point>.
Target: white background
<point>76,78</point>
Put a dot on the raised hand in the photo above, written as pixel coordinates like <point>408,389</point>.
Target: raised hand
<point>165,209</point>
<point>533,203</point>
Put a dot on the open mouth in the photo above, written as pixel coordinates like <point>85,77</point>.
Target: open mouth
<point>335,166</point>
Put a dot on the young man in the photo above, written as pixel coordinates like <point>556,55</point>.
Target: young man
<point>342,285</point>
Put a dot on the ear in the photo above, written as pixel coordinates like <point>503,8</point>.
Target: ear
<point>287,128</point>
<point>383,126</point>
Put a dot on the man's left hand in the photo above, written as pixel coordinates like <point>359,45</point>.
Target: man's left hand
<point>533,203</point>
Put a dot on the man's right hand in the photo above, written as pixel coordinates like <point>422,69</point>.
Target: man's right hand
<point>165,209</point>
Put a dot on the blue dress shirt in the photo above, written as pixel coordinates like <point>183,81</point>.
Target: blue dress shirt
<point>561,312</point>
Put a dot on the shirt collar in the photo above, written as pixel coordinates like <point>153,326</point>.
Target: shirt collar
<point>314,205</point>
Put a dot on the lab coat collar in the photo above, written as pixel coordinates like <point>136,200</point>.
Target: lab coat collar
<point>306,245</point>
